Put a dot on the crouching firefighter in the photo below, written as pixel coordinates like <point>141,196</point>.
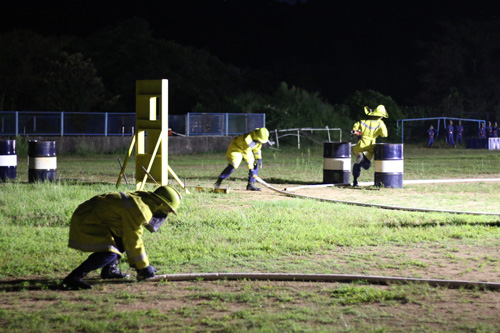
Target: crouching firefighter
<point>112,224</point>
<point>245,147</point>
<point>368,129</point>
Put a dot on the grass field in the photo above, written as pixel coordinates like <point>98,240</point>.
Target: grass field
<point>263,232</point>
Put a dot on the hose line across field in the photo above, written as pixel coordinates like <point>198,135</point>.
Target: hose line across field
<point>410,209</point>
<point>335,277</point>
<point>323,278</point>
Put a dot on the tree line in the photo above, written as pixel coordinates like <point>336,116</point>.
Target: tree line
<point>97,73</point>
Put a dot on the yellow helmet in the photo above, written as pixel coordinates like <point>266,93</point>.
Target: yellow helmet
<point>260,134</point>
<point>169,196</point>
<point>379,111</point>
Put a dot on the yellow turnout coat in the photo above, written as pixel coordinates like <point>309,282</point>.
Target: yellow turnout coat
<point>246,147</point>
<point>370,129</point>
<point>95,221</point>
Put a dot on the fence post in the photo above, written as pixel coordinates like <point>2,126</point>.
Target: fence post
<point>17,123</point>
<point>226,124</point>
<point>298,138</point>
<point>62,123</point>
<point>105,124</point>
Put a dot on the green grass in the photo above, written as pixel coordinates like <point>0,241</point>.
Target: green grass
<point>238,232</point>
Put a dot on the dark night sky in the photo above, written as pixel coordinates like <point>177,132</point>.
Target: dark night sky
<point>264,34</point>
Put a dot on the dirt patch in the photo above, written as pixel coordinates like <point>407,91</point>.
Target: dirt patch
<point>223,305</point>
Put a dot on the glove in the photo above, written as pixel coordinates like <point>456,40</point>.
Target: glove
<point>355,132</point>
<point>258,164</point>
<point>145,273</point>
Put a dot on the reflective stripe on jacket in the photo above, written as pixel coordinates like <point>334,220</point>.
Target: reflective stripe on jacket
<point>370,129</point>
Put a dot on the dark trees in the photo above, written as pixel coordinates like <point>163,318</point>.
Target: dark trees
<point>460,68</point>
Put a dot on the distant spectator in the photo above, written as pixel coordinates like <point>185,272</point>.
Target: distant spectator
<point>495,130</point>
<point>482,132</point>
<point>430,133</point>
<point>489,130</point>
<point>449,131</point>
<point>459,129</point>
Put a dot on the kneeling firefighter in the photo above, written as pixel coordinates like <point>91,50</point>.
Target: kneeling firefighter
<point>245,147</point>
<point>111,224</point>
<point>368,129</point>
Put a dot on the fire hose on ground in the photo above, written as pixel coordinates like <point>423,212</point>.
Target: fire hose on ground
<point>410,209</point>
<point>296,277</point>
<point>386,280</point>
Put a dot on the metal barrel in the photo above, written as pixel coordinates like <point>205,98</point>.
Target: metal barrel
<point>389,165</point>
<point>8,160</point>
<point>42,161</point>
<point>336,162</point>
<point>493,143</point>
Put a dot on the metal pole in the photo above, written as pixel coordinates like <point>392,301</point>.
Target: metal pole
<point>402,131</point>
<point>105,124</point>
<point>62,123</point>
<point>17,122</point>
<point>226,130</point>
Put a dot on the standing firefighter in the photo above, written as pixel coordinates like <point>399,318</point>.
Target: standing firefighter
<point>460,132</point>
<point>482,132</point>
<point>245,147</point>
<point>111,224</point>
<point>431,132</point>
<point>489,130</point>
<point>449,131</point>
<point>369,128</point>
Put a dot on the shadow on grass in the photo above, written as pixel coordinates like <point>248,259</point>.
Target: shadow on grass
<point>51,284</point>
<point>63,181</point>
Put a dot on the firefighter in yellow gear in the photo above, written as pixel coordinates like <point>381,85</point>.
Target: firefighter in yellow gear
<point>245,147</point>
<point>113,223</point>
<point>368,129</point>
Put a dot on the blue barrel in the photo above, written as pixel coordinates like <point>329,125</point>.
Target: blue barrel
<point>8,160</point>
<point>336,162</point>
<point>42,161</point>
<point>389,165</point>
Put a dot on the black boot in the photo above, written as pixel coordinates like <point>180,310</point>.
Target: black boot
<point>251,187</point>
<point>112,271</point>
<point>75,282</point>
<point>218,182</point>
<point>355,182</point>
